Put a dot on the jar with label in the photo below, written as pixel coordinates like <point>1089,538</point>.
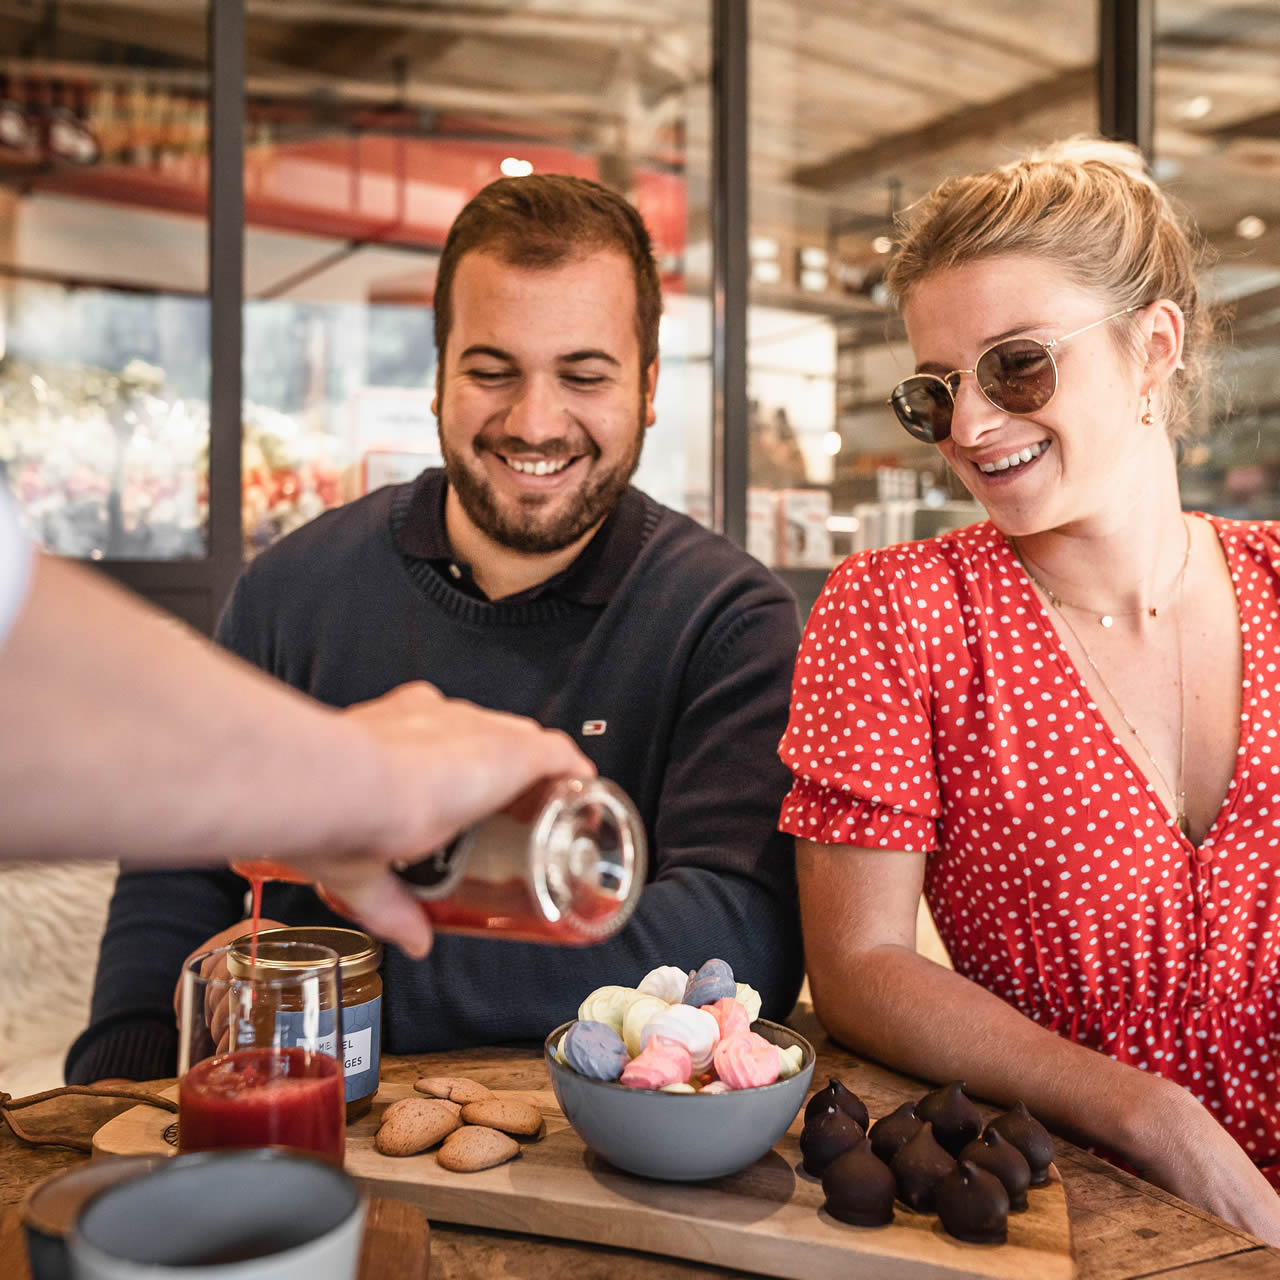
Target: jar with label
<point>563,863</point>
<point>358,959</point>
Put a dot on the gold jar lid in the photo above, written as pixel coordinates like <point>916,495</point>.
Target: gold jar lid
<point>358,953</point>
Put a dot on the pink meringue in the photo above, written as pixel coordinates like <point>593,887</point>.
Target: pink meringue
<point>696,1029</point>
<point>730,1015</point>
<point>746,1061</point>
<point>660,1063</point>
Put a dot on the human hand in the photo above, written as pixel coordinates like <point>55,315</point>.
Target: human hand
<point>441,764</point>
<point>1178,1144</point>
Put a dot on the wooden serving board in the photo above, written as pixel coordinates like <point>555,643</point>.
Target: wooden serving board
<point>767,1219</point>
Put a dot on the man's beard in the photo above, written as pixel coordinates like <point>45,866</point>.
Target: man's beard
<point>527,529</point>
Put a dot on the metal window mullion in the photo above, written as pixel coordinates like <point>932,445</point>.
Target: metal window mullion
<point>226,288</point>
<point>1126,75</point>
<point>729,230</point>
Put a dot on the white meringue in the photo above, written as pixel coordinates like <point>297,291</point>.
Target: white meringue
<point>696,1029</point>
<point>667,982</point>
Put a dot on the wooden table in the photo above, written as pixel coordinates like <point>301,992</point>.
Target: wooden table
<point>1122,1228</point>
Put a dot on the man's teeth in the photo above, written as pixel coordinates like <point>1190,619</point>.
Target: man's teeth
<point>543,466</point>
<point>1015,459</point>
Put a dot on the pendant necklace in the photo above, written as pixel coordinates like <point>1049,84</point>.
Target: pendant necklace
<point>1178,793</point>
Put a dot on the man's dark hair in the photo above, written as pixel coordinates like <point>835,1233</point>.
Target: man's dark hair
<point>545,220</point>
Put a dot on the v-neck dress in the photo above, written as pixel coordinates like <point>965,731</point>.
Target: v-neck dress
<point>934,709</point>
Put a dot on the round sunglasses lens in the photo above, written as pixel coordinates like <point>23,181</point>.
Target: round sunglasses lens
<point>1017,376</point>
<point>923,406</point>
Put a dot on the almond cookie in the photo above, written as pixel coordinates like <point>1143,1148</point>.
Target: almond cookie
<point>455,1088</point>
<point>510,1115</point>
<point>475,1147</point>
<point>414,1124</point>
<point>392,1107</point>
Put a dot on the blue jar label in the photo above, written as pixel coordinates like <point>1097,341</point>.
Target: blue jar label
<point>361,1041</point>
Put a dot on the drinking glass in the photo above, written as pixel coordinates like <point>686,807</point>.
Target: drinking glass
<point>259,1050</point>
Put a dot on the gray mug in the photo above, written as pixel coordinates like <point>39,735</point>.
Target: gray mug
<point>262,1214</point>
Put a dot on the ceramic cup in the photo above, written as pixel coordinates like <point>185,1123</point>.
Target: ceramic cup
<point>53,1204</point>
<point>227,1215</point>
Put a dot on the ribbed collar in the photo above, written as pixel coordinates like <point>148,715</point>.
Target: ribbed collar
<point>417,525</point>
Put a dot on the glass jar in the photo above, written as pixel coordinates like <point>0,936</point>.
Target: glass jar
<point>359,956</point>
<point>563,863</point>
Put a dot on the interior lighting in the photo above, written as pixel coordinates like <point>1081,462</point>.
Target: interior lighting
<point>765,272</point>
<point>1196,108</point>
<point>513,168</point>
<point>1250,227</point>
<point>882,244</point>
<point>831,443</point>
<point>762,248</point>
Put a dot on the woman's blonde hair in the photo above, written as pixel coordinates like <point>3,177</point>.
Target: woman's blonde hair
<point>1088,206</point>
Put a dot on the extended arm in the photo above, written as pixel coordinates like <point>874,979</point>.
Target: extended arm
<point>874,993</point>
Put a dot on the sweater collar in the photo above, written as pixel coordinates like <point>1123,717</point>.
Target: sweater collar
<point>592,579</point>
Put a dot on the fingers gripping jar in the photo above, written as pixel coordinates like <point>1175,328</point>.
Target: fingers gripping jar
<point>564,863</point>
<point>358,959</point>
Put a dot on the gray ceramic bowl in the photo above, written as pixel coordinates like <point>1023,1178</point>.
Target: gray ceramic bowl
<point>681,1137</point>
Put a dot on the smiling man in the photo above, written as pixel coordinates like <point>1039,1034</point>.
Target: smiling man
<point>529,576</point>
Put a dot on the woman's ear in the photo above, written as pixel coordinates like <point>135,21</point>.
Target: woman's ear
<point>1164,327</point>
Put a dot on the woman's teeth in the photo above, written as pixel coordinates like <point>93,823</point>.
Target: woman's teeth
<point>1015,459</point>
<point>543,466</point>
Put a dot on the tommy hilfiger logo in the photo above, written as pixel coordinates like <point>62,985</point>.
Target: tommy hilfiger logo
<point>594,728</point>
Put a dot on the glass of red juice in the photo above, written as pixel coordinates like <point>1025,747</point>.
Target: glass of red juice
<point>259,1051</point>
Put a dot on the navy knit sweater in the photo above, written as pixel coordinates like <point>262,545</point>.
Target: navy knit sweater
<point>674,638</point>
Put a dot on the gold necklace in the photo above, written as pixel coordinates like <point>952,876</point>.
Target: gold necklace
<point>1177,793</point>
<point>1108,618</point>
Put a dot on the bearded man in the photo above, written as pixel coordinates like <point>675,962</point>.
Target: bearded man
<point>528,576</point>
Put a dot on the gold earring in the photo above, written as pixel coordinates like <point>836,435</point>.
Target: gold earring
<point>1148,418</point>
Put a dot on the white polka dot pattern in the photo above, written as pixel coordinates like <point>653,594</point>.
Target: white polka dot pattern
<point>935,709</point>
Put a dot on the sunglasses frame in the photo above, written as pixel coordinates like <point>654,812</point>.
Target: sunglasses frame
<point>1047,347</point>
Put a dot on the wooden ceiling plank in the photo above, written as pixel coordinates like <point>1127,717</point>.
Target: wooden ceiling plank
<point>857,163</point>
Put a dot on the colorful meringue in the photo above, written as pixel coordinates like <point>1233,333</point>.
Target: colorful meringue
<point>730,1015</point>
<point>641,1009</point>
<point>746,1061</point>
<point>789,1061</point>
<point>749,999</point>
<point>594,1049</point>
<point>608,1005</point>
<point>710,983</point>
<point>667,982</point>
<point>696,1029</point>
<point>661,1063</point>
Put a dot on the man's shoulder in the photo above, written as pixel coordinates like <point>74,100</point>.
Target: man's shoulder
<point>333,538</point>
<point>694,557</point>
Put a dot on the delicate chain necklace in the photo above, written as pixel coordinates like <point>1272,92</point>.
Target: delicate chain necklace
<point>1178,793</point>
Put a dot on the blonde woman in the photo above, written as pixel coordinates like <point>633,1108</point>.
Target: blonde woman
<point>1062,723</point>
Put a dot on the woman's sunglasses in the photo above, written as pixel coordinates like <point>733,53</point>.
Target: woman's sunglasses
<point>1018,376</point>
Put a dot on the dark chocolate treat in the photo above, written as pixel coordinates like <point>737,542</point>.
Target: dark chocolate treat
<point>859,1188</point>
<point>955,1119</point>
<point>1020,1127</point>
<point>829,1134</point>
<point>974,1205</point>
<point>999,1156</point>
<point>918,1168</point>
<point>835,1094</point>
<point>890,1132</point>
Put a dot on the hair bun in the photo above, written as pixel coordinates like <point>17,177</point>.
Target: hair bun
<point>1083,149</point>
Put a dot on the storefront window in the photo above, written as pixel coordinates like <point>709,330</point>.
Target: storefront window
<point>855,112</point>
<point>1217,107</point>
<point>364,138</point>
<point>104,323</point>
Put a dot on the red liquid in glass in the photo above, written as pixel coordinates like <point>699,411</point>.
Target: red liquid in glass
<point>264,1097</point>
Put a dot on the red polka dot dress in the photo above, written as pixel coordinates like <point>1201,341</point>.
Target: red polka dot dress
<point>934,709</point>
